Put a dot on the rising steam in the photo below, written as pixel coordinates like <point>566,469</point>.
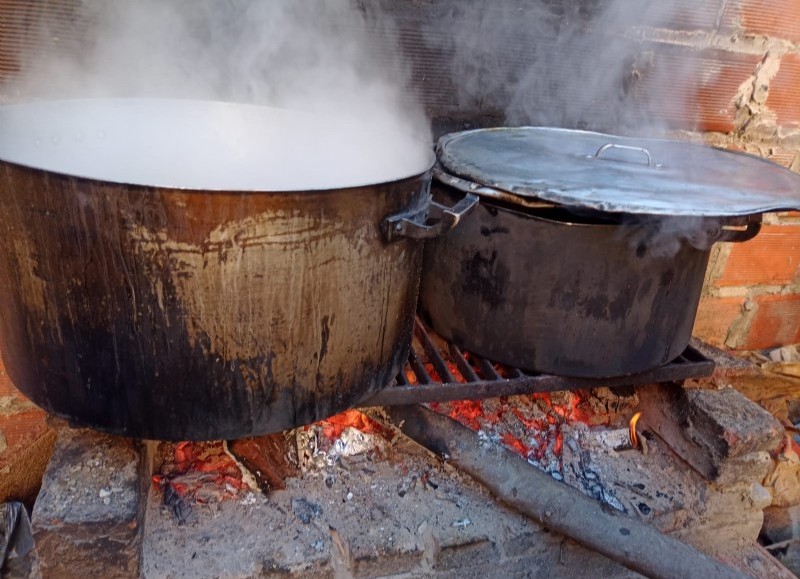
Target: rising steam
<point>574,64</point>
<point>326,57</point>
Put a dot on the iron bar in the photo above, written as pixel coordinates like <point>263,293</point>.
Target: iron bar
<point>487,381</point>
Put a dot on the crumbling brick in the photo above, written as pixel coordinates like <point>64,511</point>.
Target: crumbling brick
<point>720,433</point>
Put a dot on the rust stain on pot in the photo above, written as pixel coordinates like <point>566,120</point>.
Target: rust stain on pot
<point>35,292</point>
<point>251,270</point>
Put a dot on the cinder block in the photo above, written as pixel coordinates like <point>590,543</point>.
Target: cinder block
<point>466,555</point>
<point>721,433</point>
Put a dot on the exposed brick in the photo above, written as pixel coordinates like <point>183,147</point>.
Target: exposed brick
<point>687,14</point>
<point>784,91</point>
<point>32,31</point>
<point>776,323</point>
<point>775,18</point>
<point>784,157</point>
<point>714,317</point>
<point>27,442</point>
<point>771,258</point>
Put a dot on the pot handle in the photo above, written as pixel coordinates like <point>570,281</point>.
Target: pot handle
<point>608,146</point>
<point>431,221</point>
<point>751,224</point>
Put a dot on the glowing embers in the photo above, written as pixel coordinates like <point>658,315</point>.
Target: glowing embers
<point>351,433</point>
<point>534,426</point>
<point>207,473</point>
<point>196,473</point>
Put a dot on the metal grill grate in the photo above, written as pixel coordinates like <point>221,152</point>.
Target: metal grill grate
<point>433,362</point>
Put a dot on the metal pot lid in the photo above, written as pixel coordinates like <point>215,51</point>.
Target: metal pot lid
<point>615,174</point>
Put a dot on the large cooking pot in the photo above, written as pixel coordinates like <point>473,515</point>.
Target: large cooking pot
<point>588,252</point>
<point>199,270</point>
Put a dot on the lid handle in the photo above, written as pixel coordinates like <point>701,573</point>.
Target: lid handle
<point>642,150</point>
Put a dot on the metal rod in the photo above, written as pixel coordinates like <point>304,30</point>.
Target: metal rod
<point>433,354</point>
<point>487,369</point>
<point>691,364</point>
<point>438,392</point>
<point>466,369</point>
<point>418,368</point>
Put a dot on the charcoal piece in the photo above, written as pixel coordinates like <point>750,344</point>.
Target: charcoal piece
<point>266,457</point>
<point>305,510</point>
<point>179,506</point>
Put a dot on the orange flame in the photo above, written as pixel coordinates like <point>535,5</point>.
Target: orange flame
<point>633,435</point>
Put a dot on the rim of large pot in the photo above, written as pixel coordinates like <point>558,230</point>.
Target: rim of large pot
<point>132,142</point>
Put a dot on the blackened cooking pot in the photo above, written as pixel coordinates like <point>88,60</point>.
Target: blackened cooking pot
<point>197,270</point>
<point>587,254</point>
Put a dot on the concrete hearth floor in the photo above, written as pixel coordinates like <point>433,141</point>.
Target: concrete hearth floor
<point>407,514</point>
<point>401,513</point>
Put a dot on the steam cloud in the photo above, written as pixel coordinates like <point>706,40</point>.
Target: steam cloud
<point>574,64</point>
<point>326,57</point>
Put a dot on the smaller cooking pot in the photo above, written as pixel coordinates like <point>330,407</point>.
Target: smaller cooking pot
<point>587,254</point>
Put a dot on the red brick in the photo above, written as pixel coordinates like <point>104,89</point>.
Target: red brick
<point>777,322</point>
<point>28,443</point>
<point>784,157</point>
<point>774,18</point>
<point>22,40</point>
<point>686,14</point>
<point>21,422</point>
<point>772,258</point>
<point>784,91</point>
<point>714,317</point>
